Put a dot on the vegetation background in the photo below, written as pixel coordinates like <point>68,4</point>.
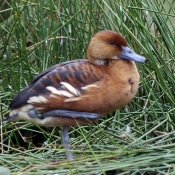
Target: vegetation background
<point>36,34</point>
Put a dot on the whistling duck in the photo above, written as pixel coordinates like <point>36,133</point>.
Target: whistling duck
<point>81,91</point>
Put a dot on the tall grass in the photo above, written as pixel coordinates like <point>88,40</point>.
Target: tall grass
<point>36,34</point>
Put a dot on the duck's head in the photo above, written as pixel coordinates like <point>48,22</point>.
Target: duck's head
<point>106,45</point>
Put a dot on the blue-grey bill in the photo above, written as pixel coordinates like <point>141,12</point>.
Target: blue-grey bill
<point>129,54</point>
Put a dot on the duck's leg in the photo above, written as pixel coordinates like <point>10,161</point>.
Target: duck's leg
<point>65,142</point>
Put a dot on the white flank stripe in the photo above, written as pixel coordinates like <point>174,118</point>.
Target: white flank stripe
<point>72,99</point>
<point>90,86</point>
<point>65,93</point>
<point>70,88</point>
<point>59,92</point>
<point>37,99</point>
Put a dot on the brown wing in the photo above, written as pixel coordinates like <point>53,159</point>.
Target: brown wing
<point>51,88</point>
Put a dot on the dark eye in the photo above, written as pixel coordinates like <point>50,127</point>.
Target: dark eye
<point>112,43</point>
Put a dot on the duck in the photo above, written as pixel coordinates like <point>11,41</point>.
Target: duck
<point>80,91</point>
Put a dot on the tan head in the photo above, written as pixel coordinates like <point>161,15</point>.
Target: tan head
<point>107,44</point>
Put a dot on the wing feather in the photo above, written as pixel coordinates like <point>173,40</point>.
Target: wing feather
<point>64,80</point>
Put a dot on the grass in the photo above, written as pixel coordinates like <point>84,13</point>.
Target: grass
<point>35,35</point>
